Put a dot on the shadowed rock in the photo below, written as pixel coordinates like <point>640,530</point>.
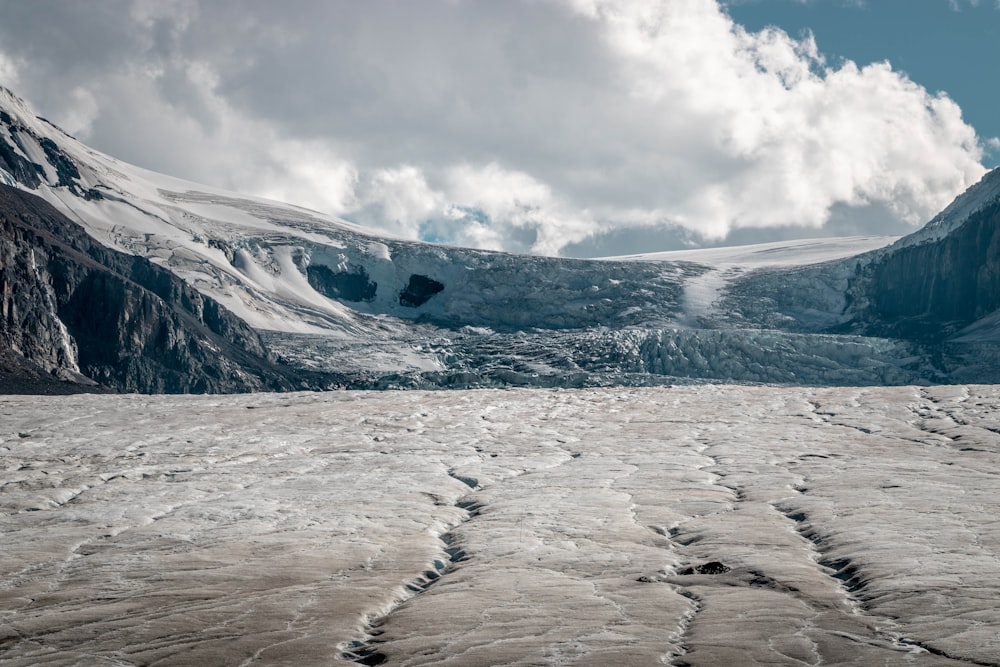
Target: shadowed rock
<point>419,290</point>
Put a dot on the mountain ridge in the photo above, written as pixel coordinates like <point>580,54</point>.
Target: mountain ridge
<point>80,316</point>
<point>345,306</point>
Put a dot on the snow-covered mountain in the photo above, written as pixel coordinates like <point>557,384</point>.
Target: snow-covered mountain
<point>336,298</point>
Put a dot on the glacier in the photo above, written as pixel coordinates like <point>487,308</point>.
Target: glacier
<point>699,525</point>
<point>364,310</point>
<point>768,455</point>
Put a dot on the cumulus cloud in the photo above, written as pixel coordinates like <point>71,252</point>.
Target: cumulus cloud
<point>784,137</point>
<point>956,5</point>
<point>80,112</point>
<point>538,125</point>
<point>8,72</point>
<point>528,211</point>
<point>397,199</point>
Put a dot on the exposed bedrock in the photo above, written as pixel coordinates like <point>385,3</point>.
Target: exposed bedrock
<point>419,290</point>
<point>924,288</point>
<point>931,290</point>
<point>22,169</point>
<point>64,171</point>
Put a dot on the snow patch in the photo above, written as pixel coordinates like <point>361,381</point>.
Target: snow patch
<point>7,179</point>
<point>377,250</point>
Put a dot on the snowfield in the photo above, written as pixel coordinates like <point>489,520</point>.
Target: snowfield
<point>699,525</point>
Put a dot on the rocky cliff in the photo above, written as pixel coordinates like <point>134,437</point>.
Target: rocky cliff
<point>74,314</point>
<point>928,287</point>
<point>932,290</point>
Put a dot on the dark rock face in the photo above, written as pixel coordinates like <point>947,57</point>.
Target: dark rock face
<point>712,567</point>
<point>419,290</point>
<point>24,171</point>
<point>73,309</point>
<point>354,285</point>
<point>65,167</point>
<point>921,292</point>
<point>931,290</point>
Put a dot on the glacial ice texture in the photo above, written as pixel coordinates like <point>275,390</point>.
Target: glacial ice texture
<point>700,525</point>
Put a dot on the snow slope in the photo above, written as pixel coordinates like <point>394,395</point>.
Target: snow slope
<point>194,230</point>
<point>267,261</point>
<point>254,255</point>
<point>702,293</point>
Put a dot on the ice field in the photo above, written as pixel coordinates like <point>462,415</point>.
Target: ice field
<point>697,525</point>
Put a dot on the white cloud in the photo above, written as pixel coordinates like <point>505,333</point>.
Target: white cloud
<point>398,199</point>
<point>530,125</point>
<point>211,143</point>
<point>9,76</point>
<point>307,173</point>
<point>80,113</point>
<point>712,129</point>
<point>516,204</point>
<point>957,5</point>
<point>741,130</point>
<point>784,138</point>
<point>479,206</point>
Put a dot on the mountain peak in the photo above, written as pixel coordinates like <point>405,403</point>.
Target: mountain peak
<point>9,101</point>
<point>15,112</point>
<point>31,152</point>
<point>978,196</point>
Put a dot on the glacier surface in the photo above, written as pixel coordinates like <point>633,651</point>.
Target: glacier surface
<point>696,525</point>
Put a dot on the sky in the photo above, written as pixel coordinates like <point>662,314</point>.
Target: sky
<point>559,127</point>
